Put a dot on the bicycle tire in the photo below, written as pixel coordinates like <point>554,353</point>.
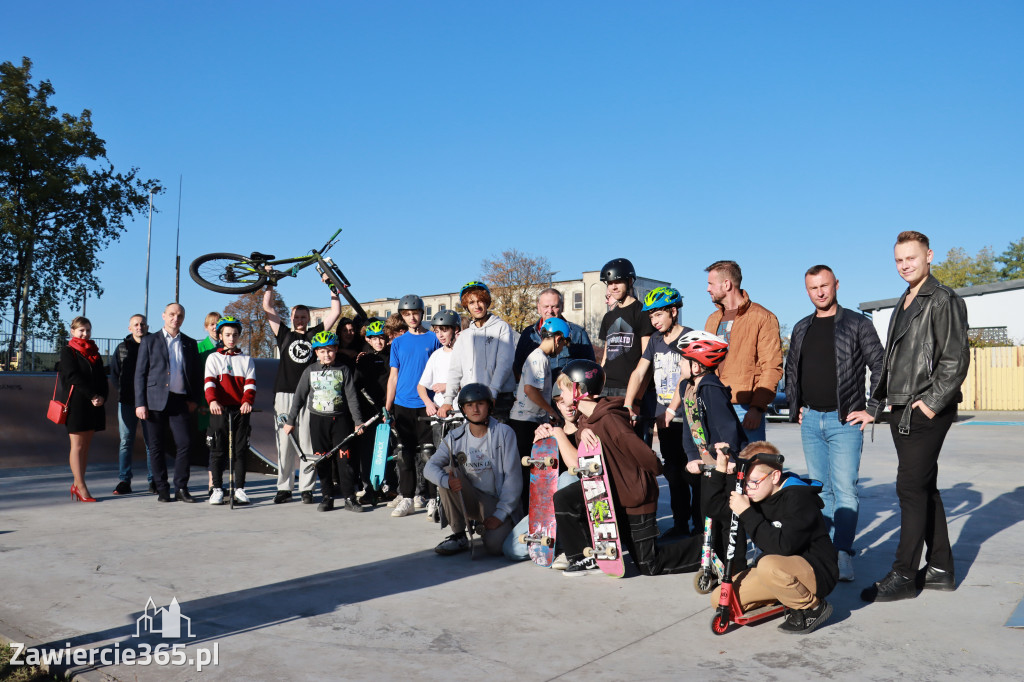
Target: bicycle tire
<point>227,273</point>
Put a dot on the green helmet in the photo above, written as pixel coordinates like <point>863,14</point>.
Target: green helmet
<point>228,321</point>
<point>469,286</point>
<point>375,328</point>
<point>323,339</point>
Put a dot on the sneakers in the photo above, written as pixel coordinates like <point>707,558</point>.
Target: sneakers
<point>326,504</point>
<point>580,567</point>
<point>241,497</point>
<point>403,508</point>
<point>845,566</point>
<point>453,544</point>
<point>369,499</point>
<point>307,496</point>
<point>932,578</point>
<point>432,514</point>
<point>560,563</point>
<point>152,488</point>
<point>352,504</point>
<point>419,502</point>
<point>804,621</point>
<point>893,587</point>
<point>216,496</point>
<point>397,500</point>
<point>282,496</point>
<point>123,488</point>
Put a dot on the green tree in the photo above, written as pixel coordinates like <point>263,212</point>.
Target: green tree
<point>1013,260</point>
<point>61,203</point>
<point>961,270</point>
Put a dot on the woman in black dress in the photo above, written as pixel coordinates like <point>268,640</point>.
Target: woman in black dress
<point>81,372</point>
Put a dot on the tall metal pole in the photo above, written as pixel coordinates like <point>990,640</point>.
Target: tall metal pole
<point>177,240</point>
<point>149,241</point>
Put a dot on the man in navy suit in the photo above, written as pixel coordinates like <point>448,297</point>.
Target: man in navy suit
<point>168,386</point>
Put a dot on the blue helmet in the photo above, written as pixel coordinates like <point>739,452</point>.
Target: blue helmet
<point>554,325</point>
<point>662,297</point>
<point>324,339</point>
<point>469,286</point>
<point>228,321</point>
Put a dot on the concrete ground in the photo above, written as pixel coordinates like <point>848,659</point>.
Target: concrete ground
<point>284,592</point>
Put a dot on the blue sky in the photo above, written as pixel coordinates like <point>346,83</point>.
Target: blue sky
<point>436,134</point>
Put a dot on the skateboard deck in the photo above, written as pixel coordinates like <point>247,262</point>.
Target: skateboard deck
<point>381,440</point>
<point>604,530</point>
<point>540,539</point>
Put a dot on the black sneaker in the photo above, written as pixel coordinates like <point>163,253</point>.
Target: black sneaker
<point>893,587</point>
<point>123,488</point>
<point>804,621</point>
<point>352,504</point>
<point>152,488</point>
<point>326,504</point>
<point>932,578</point>
<point>581,567</point>
<point>282,496</point>
<point>307,497</point>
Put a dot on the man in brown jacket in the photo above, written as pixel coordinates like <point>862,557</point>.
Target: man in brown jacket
<point>753,366</point>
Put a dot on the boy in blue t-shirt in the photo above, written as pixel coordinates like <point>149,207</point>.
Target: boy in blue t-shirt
<point>409,355</point>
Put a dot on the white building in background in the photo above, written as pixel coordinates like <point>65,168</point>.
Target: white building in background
<point>995,312</point>
<point>584,301</point>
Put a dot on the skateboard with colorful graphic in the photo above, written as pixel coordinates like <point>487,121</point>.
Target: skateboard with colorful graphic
<point>540,539</point>
<point>597,494</point>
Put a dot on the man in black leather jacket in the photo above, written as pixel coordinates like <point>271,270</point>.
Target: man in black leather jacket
<point>926,361</point>
<point>829,352</point>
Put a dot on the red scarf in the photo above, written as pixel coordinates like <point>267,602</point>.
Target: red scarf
<point>86,347</point>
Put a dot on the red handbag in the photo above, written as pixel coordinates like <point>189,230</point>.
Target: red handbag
<point>57,412</point>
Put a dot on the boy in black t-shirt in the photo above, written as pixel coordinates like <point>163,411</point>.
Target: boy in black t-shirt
<point>296,353</point>
<point>625,330</point>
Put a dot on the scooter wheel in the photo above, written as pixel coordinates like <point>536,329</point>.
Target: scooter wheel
<point>704,582</point>
<point>720,626</point>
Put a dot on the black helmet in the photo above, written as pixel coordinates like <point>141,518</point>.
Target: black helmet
<point>410,302</point>
<point>446,318</point>
<point>471,393</point>
<point>588,374</point>
<point>616,269</point>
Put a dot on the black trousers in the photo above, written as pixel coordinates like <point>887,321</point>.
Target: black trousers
<point>217,437</point>
<point>174,418</point>
<point>337,475</point>
<point>637,533</point>
<point>922,517</point>
<point>412,433</point>
<point>683,488</point>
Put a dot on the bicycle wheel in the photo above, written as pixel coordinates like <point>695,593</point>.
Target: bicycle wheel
<point>227,273</point>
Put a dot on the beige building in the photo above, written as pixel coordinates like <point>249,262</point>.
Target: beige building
<point>584,301</point>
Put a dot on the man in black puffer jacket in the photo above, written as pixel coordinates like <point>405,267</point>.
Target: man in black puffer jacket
<point>781,514</point>
<point>122,375</point>
<point>828,353</point>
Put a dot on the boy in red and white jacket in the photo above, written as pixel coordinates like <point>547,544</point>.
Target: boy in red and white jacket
<point>230,389</point>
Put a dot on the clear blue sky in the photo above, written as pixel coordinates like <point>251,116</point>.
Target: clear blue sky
<point>777,134</point>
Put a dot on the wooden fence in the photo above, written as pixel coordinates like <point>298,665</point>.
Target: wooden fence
<point>995,380</point>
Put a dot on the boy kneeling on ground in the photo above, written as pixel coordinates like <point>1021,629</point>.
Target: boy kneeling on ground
<point>781,513</point>
<point>488,479</point>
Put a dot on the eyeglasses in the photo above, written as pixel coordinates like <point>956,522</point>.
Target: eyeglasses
<point>752,484</point>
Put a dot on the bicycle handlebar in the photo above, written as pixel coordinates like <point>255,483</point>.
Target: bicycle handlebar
<point>442,420</point>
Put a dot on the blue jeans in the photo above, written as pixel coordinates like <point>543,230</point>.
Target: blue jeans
<point>754,434</point>
<point>832,451</point>
<point>127,422</point>
<point>517,551</point>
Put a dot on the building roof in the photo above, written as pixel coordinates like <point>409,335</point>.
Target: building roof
<point>964,292</point>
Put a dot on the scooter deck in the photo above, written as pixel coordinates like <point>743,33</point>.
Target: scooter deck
<point>381,440</point>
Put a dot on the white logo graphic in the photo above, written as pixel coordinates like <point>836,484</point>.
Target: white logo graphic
<point>165,622</point>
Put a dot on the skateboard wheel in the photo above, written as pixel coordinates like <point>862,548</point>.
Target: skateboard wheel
<point>547,542</point>
<point>522,538</point>
<point>574,471</point>
<point>588,552</point>
<point>551,462</point>
<point>719,624</point>
<point>612,553</point>
<point>461,458</point>
<point>594,468</point>
<point>704,582</point>
<point>526,461</point>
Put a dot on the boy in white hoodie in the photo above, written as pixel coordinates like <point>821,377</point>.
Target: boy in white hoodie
<point>482,354</point>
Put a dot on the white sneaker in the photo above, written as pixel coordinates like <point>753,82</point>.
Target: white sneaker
<point>560,563</point>
<point>395,502</point>
<point>845,566</point>
<point>419,502</point>
<point>240,496</point>
<point>431,509</point>
<point>217,496</point>
<point>404,507</point>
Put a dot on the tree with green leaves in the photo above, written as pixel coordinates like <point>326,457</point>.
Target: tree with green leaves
<point>61,203</point>
<point>961,270</point>
<point>1013,260</point>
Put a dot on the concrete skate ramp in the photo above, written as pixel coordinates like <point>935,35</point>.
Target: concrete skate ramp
<point>28,439</point>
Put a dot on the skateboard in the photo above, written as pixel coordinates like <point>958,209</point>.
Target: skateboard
<point>597,494</point>
<point>381,441</point>
<point>540,539</point>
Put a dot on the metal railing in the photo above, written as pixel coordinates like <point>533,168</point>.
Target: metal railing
<point>41,355</point>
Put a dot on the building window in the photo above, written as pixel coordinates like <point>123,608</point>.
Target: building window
<point>430,311</point>
<point>442,307</point>
<point>387,314</point>
<point>577,300</point>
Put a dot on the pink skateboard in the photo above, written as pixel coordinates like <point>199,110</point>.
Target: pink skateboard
<point>597,494</point>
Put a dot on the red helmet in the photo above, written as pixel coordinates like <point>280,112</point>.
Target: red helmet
<point>704,347</point>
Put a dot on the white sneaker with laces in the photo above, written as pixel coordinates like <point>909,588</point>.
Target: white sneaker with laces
<point>404,507</point>
<point>217,496</point>
<point>395,502</point>
<point>845,566</point>
<point>431,509</point>
<point>240,496</point>
<point>560,563</point>
<point>419,502</point>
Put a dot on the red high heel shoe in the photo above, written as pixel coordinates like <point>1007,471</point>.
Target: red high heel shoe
<point>81,498</point>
